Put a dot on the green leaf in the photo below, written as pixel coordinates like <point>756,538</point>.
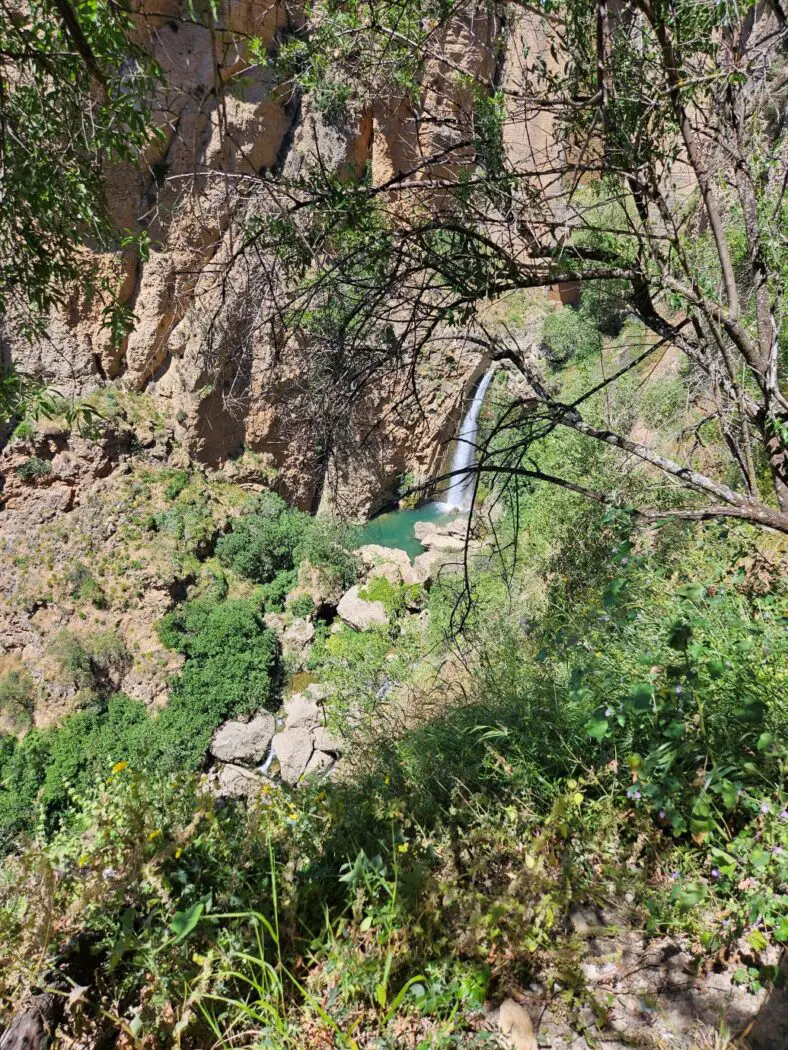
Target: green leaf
<point>765,741</point>
<point>184,921</point>
<point>781,932</point>
<point>597,728</point>
<point>757,941</point>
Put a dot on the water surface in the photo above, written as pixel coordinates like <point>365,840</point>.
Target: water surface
<point>395,528</point>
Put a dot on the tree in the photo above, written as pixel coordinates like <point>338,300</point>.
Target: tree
<point>661,174</point>
<point>73,92</point>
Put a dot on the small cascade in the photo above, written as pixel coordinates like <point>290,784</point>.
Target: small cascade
<point>459,494</point>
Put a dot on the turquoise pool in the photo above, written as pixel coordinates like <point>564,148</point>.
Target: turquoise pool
<point>395,528</point>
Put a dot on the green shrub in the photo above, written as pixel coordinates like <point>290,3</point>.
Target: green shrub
<point>74,659</point>
<point>17,697</point>
<point>396,598</point>
<point>230,670</point>
<point>303,606</point>
<point>178,481</point>
<point>84,586</point>
<point>24,430</point>
<point>107,651</point>
<point>568,333</point>
<point>263,542</point>
<point>272,595</point>
<point>274,538</point>
<point>328,546</point>
<point>34,468</point>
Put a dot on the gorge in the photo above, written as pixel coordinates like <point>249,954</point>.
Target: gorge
<point>393,516</point>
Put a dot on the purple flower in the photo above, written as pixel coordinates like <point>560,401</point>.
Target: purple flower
<point>675,875</point>
<point>662,814</point>
<point>726,922</point>
<point>715,873</point>
<point>608,712</point>
<point>764,807</point>
<point>633,793</point>
<point>784,815</point>
<point>777,850</point>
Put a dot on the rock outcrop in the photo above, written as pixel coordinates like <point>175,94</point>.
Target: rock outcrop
<point>246,743</point>
<point>361,613</point>
<point>211,350</point>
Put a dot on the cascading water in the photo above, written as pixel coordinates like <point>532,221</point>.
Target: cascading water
<point>459,494</point>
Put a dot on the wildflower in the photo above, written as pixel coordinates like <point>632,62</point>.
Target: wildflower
<point>110,873</point>
<point>715,873</point>
<point>678,689</point>
<point>764,807</point>
<point>784,815</point>
<point>726,922</point>
<point>675,875</point>
<point>608,712</point>
<point>625,561</point>
<point>777,850</point>
<point>662,814</point>
<point>633,793</point>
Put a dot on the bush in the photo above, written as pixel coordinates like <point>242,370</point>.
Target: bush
<point>74,659</point>
<point>303,606</point>
<point>328,546</point>
<point>569,333</point>
<point>263,542</point>
<point>229,671</point>
<point>24,431</point>
<point>274,538</point>
<point>396,599</point>
<point>272,595</point>
<point>34,468</point>
<point>85,587</point>
<point>16,697</point>
<point>178,480</point>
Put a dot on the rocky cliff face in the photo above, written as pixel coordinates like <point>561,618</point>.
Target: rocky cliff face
<point>206,346</point>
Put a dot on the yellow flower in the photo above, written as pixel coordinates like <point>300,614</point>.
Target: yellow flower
<point>403,847</point>
<point>119,767</point>
<point>154,835</point>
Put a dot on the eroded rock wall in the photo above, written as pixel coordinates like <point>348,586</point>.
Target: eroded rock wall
<point>203,345</point>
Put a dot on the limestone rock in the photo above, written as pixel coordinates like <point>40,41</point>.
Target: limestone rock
<point>301,712</point>
<point>296,639</point>
<point>320,762</point>
<point>390,562</point>
<point>324,740</point>
<point>245,742</point>
<point>237,781</point>
<point>515,1023</point>
<point>360,613</point>
<point>293,748</point>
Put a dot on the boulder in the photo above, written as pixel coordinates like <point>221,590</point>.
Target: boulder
<point>296,639</point>
<point>320,762</point>
<point>245,742</point>
<point>390,562</point>
<point>435,539</point>
<point>301,712</point>
<point>319,582</point>
<point>293,748</point>
<point>433,562</point>
<point>237,782</point>
<point>359,613</point>
<point>324,740</point>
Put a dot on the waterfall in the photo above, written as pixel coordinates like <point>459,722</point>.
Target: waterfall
<point>460,491</point>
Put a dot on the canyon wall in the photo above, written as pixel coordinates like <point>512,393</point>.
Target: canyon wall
<point>207,344</point>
